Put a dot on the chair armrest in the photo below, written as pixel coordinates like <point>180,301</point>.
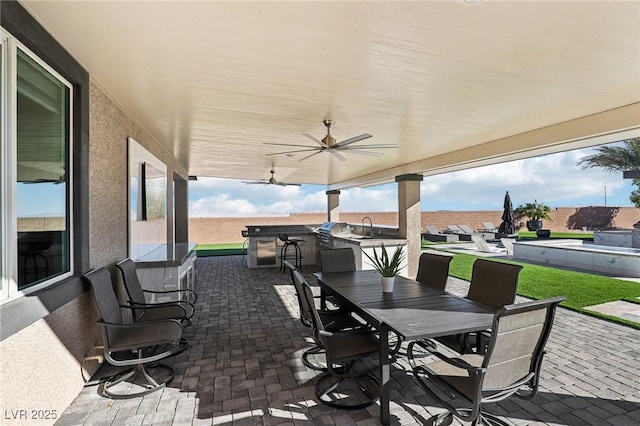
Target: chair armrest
<point>139,324</point>
<point>354,332</point>
<point>195,295</point>
<point>155,306</point>
<point>158,304</point>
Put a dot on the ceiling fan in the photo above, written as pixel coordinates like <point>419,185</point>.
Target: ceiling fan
<point>329,144</point>
<point>271,181</point>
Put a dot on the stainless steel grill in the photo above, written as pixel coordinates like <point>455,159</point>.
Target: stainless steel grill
<point>327,230</point>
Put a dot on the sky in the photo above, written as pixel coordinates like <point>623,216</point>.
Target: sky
<point>555,180</point>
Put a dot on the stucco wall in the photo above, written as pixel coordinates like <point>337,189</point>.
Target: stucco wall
<point>109,130</point>
<point>41,364</point>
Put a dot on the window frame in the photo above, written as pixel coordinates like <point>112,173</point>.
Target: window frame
<point>9,236</point>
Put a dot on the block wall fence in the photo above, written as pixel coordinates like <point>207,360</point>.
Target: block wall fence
<point>211,230</point>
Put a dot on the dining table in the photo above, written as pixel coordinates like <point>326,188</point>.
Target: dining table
<point>412,310</point>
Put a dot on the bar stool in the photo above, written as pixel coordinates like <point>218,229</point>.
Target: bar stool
<point>297,252</point>
<point>245,243</point>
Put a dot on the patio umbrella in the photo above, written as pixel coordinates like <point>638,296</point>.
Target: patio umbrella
<point>508,225</point>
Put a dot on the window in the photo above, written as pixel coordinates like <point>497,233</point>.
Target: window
<point>37,171</point>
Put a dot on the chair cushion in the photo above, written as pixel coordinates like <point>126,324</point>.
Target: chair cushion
<point>159,333</point>
<point>170,311</point>
<point>345,347</point>
<point>458,378</point>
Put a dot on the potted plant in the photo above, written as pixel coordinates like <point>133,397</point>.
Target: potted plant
<point>387,266</point>
<point>535,212</point>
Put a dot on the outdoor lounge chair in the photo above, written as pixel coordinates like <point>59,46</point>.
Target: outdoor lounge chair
<point>132,345</point>
<point>510,367</point>
<point>180,309</point>
<point>469,231</point>
<point>507,243</point>
<point>455,229</point>
<point>433,270</point>
<point>345,385</point>
<point>433,234</point>
<point>489,227</point>
<point>482,245</point>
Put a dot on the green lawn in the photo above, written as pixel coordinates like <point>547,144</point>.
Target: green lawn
<point>554,234</point>
<point>581,289</point>
<point>218,249</point>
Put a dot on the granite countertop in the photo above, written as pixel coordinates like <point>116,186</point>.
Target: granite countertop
<point>166,255</point>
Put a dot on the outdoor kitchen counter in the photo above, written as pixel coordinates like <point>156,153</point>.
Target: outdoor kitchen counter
<point>275,230</point>
<point>265,247</point>
<point>366,244</point>
<point>366,241</point>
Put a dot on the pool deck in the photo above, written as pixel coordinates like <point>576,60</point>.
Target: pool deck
<point>243,367</point>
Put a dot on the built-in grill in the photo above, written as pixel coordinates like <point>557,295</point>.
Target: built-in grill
<point>327,230</point>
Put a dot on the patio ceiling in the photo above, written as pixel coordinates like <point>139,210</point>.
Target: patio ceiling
<point>454,84</point>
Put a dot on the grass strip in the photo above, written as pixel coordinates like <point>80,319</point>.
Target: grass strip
<point>581,289</point>
<point>226,249</point>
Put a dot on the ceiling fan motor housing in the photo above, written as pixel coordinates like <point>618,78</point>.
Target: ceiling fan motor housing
<point>328,140</point>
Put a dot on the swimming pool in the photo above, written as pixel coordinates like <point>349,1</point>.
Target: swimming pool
<point>616,261</point>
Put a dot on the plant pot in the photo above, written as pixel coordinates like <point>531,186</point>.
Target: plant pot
<point>534,225</point>
<point>387,284</point>
<point>543,233</point>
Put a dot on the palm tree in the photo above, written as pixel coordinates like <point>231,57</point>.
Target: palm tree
<point>624,157</point>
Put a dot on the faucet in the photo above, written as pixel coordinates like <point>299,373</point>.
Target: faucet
<point>370,225</point>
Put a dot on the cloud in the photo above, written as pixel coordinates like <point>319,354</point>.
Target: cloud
<point>555,180</point>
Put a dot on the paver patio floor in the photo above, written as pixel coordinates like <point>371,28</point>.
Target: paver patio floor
<point>243,367</point>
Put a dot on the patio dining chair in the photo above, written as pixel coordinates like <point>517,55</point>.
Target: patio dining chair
<point>510,367</point>
<point>352,356</point>
<point>494,284</point>
<point>335,260</point>
<point>143,310</point>
<point>139,345</point>
<point>332,320</point>
<point>433,270</point>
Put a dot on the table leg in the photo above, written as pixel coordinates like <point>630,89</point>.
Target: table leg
<point>384,374</point>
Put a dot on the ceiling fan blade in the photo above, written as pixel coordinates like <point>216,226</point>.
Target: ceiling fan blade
<point>313,138</point>
<point>288,144</point>
<point>293,152</point>
<point>338,155</point>
<point>318,151</point>
<point>362,152</point>
<point>287,184</point>
<point>374,146</point>
<point>256,182</point>
<point>352,140</point>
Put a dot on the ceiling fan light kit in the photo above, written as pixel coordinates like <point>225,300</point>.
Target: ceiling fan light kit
<point>329,144</point>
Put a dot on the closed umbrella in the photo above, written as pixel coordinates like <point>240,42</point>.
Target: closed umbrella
<point>508,225</point>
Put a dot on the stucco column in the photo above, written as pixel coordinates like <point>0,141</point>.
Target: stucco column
<point>333,206</point>
<point>409,225</point>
